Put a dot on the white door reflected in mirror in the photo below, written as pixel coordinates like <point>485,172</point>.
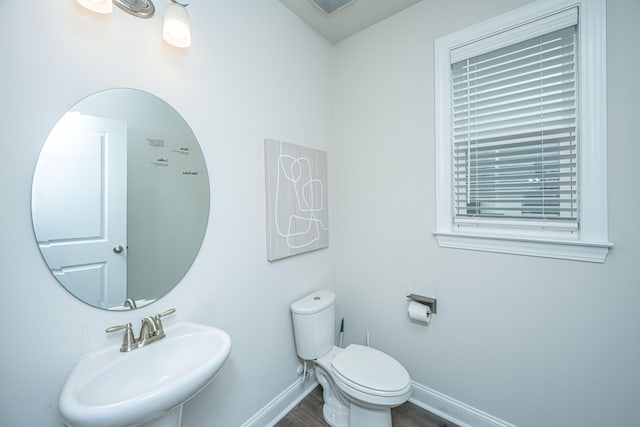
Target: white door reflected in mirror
<point>79,210</point>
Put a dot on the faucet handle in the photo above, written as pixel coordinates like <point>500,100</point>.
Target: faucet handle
<point>128,340</point>
<point>160,331</point>
<point>166,313</point>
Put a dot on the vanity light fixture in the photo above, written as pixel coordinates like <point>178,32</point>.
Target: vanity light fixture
<point>139,8</point>
<point>176,28</point>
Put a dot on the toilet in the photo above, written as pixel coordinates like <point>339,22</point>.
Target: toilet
<point>360,384</point>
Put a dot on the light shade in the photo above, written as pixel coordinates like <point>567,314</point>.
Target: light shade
<point>176,29</point>
<point>100,6</point>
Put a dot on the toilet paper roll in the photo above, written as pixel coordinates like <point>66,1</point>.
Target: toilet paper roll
<point>419,312</point>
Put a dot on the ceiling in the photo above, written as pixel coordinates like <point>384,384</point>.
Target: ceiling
<point>352,18</point>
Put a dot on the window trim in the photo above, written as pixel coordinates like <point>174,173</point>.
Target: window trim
<point>590,243</point>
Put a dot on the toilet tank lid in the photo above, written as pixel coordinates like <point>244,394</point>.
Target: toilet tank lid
<point>314,302</point>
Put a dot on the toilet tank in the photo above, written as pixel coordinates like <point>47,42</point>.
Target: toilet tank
<point>314,324</point>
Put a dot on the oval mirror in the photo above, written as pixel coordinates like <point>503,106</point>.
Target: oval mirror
<point>120,199</point>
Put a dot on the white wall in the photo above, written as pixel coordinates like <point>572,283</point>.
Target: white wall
<point>532,341</point>
<point>254,71</point>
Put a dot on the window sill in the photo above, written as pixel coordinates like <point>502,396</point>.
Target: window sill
<point>559,249</point>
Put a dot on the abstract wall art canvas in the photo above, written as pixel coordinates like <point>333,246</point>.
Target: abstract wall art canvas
<point>296,199</point>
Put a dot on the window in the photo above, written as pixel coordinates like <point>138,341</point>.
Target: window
<point>521,133</point>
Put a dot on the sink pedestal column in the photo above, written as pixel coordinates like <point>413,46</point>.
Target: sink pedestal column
<point>172,418</point>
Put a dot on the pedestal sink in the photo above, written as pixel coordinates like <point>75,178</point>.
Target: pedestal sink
<point>146,386</point>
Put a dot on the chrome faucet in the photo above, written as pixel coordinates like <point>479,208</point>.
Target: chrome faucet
<point>150,331</point>
<point>130,303</point>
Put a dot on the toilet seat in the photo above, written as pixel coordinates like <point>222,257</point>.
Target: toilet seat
<point>370,375</point>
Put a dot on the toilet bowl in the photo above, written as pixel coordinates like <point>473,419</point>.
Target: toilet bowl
<point>360,384</point>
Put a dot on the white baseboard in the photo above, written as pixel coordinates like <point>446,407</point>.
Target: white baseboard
<point>280,406</point>
<point>433,401</point>
<point>452,409</point>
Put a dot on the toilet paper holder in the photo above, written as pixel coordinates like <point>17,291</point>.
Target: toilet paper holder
<point>431,302</point>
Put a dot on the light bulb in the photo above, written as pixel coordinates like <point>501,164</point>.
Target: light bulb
<point>99,6</point>
<point>176,29</point>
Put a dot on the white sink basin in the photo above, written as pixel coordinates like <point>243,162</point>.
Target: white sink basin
<point>110,388</point>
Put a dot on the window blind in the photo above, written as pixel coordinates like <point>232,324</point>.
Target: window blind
<point>515,148</point>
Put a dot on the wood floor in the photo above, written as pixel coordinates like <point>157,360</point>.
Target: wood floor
<point>308,413</point>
